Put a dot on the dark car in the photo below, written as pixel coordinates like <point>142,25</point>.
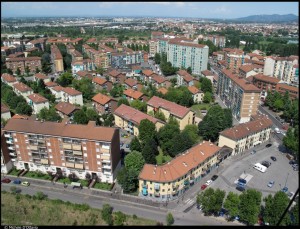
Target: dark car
<point>6,180</point>
<point>240,188</point>
<point>17,181</point>
<point>268,145</point>
<point>273,158</point>
<point>242,182</point>
<point>214,177</point>
<point>266,163</point>
<point>292,162</point>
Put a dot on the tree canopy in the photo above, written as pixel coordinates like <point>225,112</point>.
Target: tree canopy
<point>135,161</point>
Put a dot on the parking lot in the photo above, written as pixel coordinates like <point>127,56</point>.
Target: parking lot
<point>280,171</point>
<point>125,140</point>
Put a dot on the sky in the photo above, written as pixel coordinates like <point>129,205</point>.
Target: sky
<point>221,10</point>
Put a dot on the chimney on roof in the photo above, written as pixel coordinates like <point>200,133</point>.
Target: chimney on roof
<point>165,172</point>
<point>201,152</point>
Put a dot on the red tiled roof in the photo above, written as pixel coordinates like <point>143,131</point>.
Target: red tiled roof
<point>177,42</point>
<point>114,73</point>
<point>36,98</point>
<point>22,87</point>
<point>99,81</point>
<point>131,82</point>
<point>173,108</point>
<point>40,76</point>
<point>180,165</point>
<point>158,79</point>
<point>157,33</point>
<point>8,78</point>
<point>247,68</point>
<point>58,88</point>
<point>241,82</point>
<point>133,94</point>
<point>17,116</point>
<point>134,115</point>
<point>148,72</point>
<point>101,99</point>
<point>186,76</point>
<point>51,84</point>
<point>91,40</point>
<point>242,130</point>
<point>207,73</point>
<point>71,91</point>
<point>287,87</point>
<point>162,90</point>
<point>81,73</point>
<point>264,78</point>
<point>23,59</point>
<point>66,108</point>
<point>4,108</point>
<point>193,90</point>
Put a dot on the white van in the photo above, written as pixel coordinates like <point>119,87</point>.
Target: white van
<point>277,131</point>
<point>260,167</point>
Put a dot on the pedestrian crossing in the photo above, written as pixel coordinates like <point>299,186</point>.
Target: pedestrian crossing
<point>188,201</point>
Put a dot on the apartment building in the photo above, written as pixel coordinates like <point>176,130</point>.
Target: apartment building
<point>125,58</point>
<point>115,76</point>
<point>265,83</point>
<point>234,59</point>
<point>64,148</point>
<point>247,70</point>
<point>197,94</point>
<point>183,115</point>
<point>238,94</point>
<point>66,110</point>
<point>6,162</point>
<point>147,75</point>
<point>184,78</point>
<point>22,62</point>
<point>41,76</point>
<point>185,54</point>
<point>67,94</point>
<point>246,135</point>
<point>22,89</point>
<point>172,179</point>
<point>218,41</point>
<point>131,95</point>
<point>5,112</point>
<point>159,81</point>
<point>281,67</point>
<point>131,83</point>
<point>56,59</point>
<point>129,119</point>
<point>293,91</point>
<point>83,65</point>
<point>153,45</point>
<point>8,79</point>
<point>104,104</point>
<point>101,83</point>
<point>37,102</point>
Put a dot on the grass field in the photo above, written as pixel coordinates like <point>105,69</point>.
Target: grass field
<point>17,209</point>
<point>161,156</point>
<point>198,107</point>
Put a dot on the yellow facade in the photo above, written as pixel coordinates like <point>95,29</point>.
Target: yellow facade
<point>175,187</point>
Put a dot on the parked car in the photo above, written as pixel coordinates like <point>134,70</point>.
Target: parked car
<point>214,177</point>
<point>121,144</point>
<point>25,183</point>
<point>253,151</point>
<point>266,163</point>
<point>242,182</point>
<point>240,188</point>
<point>271,183</point>
<point>6,180</point>
<point>292,162</point>
<point>296,167</point>
<point>273,158</point>
<point>285,189</point>
<point>127,145</point>
<point>208,182</point>
<point>203,186</point>
<point>291,194</point>
<point>268,145</point>
<point>17,181</point>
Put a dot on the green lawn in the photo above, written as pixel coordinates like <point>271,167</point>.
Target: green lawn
<point>161,157</point>
<point>198,107</point>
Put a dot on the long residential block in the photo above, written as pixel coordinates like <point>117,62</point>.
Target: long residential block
<point>64,148</point>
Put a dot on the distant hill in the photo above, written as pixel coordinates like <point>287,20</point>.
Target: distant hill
<point>269,18</point>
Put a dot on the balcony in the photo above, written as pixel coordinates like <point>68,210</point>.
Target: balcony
<point>45,161</point>
<point>67,146</point>
<point>157,194</point>
<point>9,142</point>
<point>13,154</point>
<point>7,135</point>
<point>105,157</point>
<point>70,165</point>
<point>11,148</point>
<point>33,147</point>
<point>105,166</point>
<point>78,153</point>
<point>78,166</point>
<point>76,147</point>
<point>106,173</point>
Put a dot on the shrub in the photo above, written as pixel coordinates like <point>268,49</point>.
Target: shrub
<point>18,197</point>
<point>27,196</point>
<point>106,214</point>
<point>120,218</point>
<point>170,219</point>
<point>40,196</point>
<point>13,189</point>
<point>134,216</point>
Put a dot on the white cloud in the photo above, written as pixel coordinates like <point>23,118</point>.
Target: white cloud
<point>221,10</point>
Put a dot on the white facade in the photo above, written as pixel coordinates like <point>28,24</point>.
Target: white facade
<point>6,115</point>
<point>73,99</point>
<point>37,107</point>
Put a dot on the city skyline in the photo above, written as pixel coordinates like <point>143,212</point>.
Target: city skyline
<point>218,10</point>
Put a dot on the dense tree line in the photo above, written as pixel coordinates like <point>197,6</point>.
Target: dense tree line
<point>180,95</point>
<point>248,206</point>
<point>15,102</point>
<point>40,88</point>
<point>165,66</point>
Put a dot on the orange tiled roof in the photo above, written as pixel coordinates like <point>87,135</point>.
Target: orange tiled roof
<point>264,78</point>
<point>71,91</point>
<point>101,99</point>
<point>36,98</point>
<point>51,84</point>
<point>99,81</point>
<point>131,82</point>
<point>8,78</point>
<point>180,165</point>
<point>133,94</point>
<point>40,76</point>
<point>186,76</point>
<point>66,108</point>
<point>4,108</point>
<point>193,90</point>
<point>162,90</point>
<point>22,87</point>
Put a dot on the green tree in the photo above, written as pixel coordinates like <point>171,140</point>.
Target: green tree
<point>18,72</point>
<point>157,58</point>
<point>185,143</point>
<point>147,130</point>
<point>227,121</point>
<point>139,105</point>
<point>49,114</point>
<point>150,151</point>
<point>92,115</point>
<point>274,207</point>
<point>123,101</point>
<point>160,116</point>
<point>9,71</point>
<point>135,161</point>
<point>206,85</point>
<point>189,70</point>
<point>135,145</point>
<point>295,214</point>
<point>80,117</point>
<point>23,108</point>
<point>119,219</point>
<point>180,95</point>
<point>86,86</point>
<point>278,105</point>
<point>231,204</point>
<point>207,97</point>
<point>291,140</point>
<point>249,207</point>
<point>65,79</point>
<point>106,214</point>
<point>170,219</point>
<point>37,70</point>
<point>128,179</point>
<point>167,133</point>
<point>192,131</point>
